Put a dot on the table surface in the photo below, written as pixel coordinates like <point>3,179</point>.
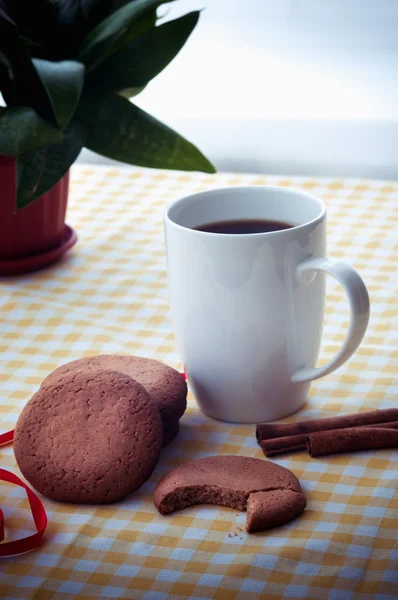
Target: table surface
<point>109,295</point>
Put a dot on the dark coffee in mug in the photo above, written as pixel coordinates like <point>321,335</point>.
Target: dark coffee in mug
<point>244,226</point>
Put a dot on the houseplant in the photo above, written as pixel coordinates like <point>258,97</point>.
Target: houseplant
<point>67,71</point>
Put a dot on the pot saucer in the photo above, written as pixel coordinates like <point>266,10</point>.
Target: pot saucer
<point>26,264</point>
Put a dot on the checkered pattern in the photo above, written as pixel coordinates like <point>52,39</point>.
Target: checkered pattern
<point>109,296</point>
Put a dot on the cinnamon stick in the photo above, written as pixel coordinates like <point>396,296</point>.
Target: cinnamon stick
<point>287,450</point>
<point>291,443</point>
<point>323,443</point>
<point>265,431</point>
<point>296,443</point>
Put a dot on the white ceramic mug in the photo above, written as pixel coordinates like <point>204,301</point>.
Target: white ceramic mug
<point>248,309</point>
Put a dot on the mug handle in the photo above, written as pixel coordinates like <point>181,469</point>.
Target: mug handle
<point>358,299</point>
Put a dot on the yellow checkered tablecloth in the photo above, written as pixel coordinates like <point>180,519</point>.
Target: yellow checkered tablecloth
<point>109,296</point>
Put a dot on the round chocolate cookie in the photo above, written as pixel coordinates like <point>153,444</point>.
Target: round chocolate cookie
<point>166,386</point>
<point>88,437</point>
<point>270,493</point>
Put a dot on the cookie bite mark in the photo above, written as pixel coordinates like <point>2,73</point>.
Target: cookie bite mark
<point>190,495</point>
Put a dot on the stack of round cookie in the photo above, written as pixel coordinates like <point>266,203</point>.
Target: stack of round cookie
<point>167,388</point>
<point>94,431</point>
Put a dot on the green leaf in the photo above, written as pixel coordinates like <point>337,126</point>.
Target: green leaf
<point>4,13</point>
<point>118,3</point>
<point>11,47</point>
<point>29,169</point>
<point>145,57</point>
<point>26,88</point>
<point>132,91</point>
<point>95,11</point>
<point>6,83</point>
<point>69,12</point>
<point>75,19</point>
<point>22,85</point>
<point>63,82</point>
<point>4,60</point>
<point>35,18</point>
<point>40,170</point>
<point>68,34</point>
<point>122,131</point>
<point>22,130</point>
<point>120,27</point>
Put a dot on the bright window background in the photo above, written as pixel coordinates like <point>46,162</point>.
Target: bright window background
<point>286,86</point>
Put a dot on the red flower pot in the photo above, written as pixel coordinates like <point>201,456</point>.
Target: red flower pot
<point>36,235</point>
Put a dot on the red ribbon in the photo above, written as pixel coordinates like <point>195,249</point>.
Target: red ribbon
<point>36,506</point>
<point>6,438</point>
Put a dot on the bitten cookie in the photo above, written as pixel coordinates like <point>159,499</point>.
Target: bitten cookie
<point>232,481</point>
<point>88,437</point>
<point>167,388</point>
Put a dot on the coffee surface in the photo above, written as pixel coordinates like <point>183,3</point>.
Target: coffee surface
<point>244,226</point>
